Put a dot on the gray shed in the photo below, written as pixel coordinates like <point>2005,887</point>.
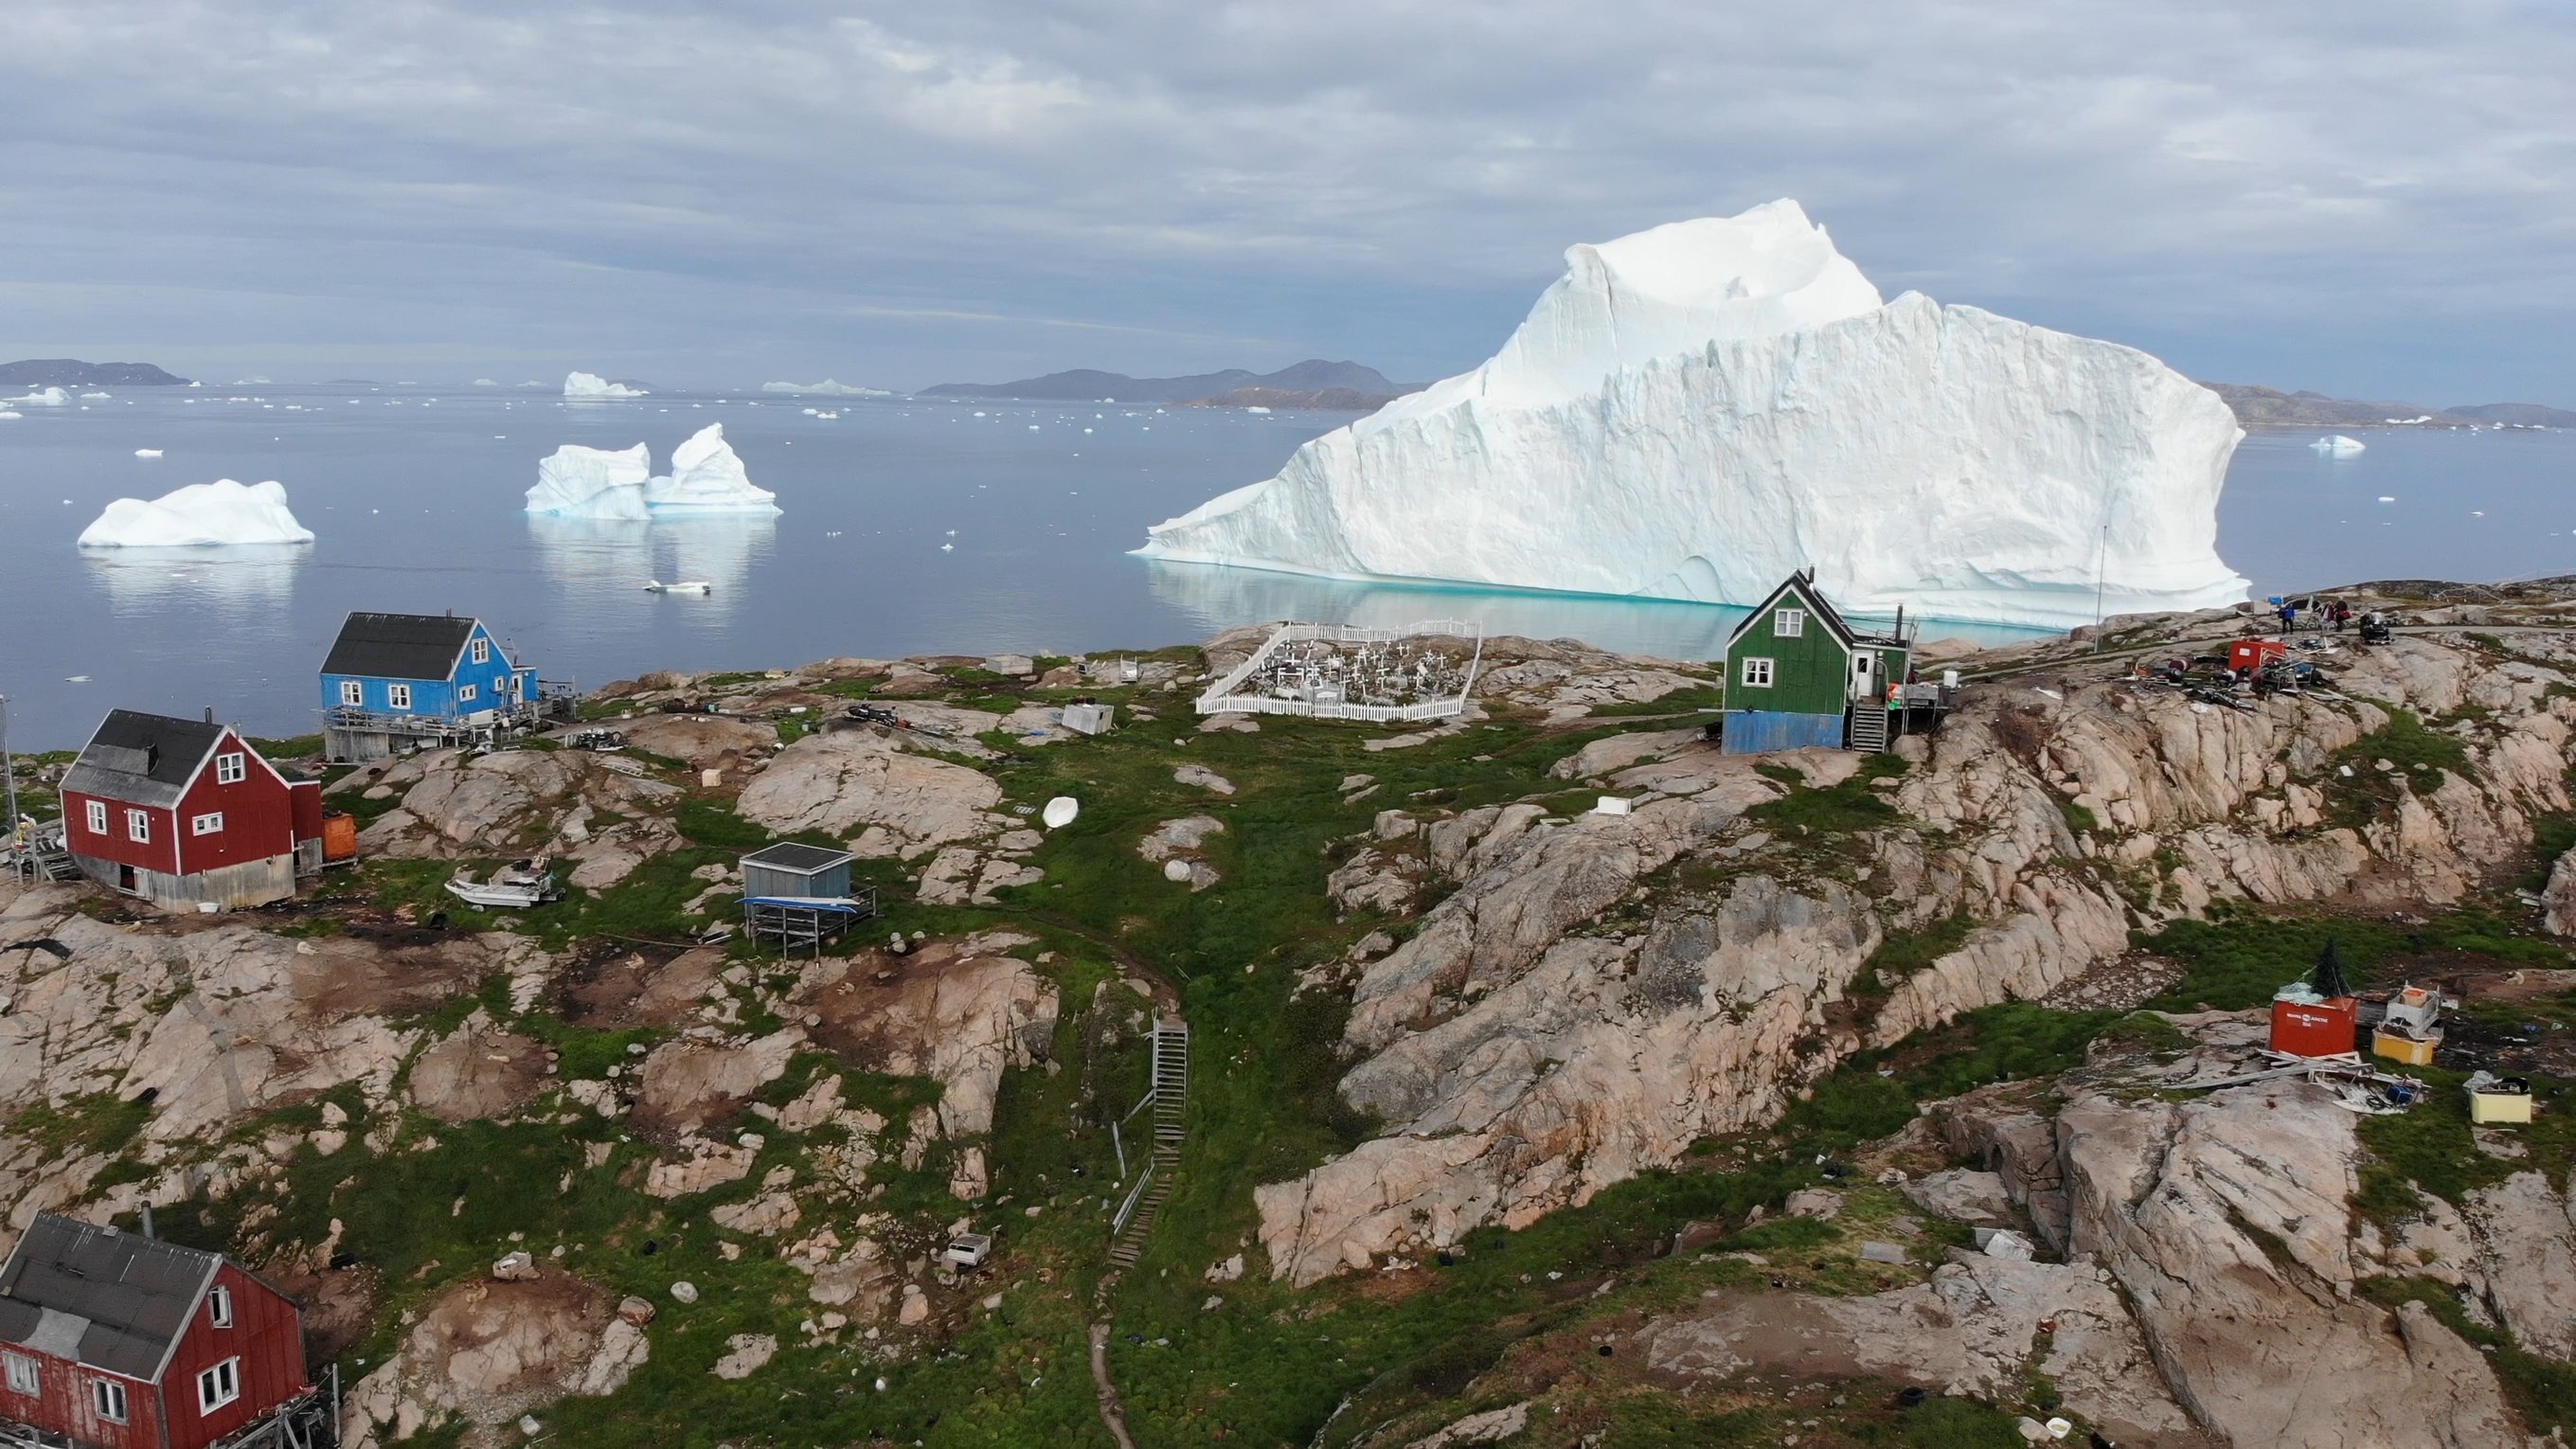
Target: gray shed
<point>792,871</point>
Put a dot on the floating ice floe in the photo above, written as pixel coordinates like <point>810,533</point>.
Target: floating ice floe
<point>485,382</point>
<point>147,452</point>
<point>42,397</point>
<point>579,482</point>
<point>825,388</point>
<point>2336,445</point>
<point>590,385</point>
<point>1695,411</point>
<point>199,515</point>
<point>10,416</point>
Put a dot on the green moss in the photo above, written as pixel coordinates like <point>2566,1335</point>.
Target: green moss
<point>2542,1390</point>
<point>2419,755</point>
<point>101,1122</point>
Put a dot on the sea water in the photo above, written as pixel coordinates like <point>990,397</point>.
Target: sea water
<point>909,527</point>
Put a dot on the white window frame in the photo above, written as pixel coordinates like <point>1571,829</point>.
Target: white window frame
<point>98,817</point>
<point>138,826</point>
<point>109,1398</point>
<point>210,823</point>
<point>1788,623</point>
<point>1757,672</point>
<point>353,693</point>
<point>465,694</point>
<point>231,768</point>
<point>219,1385</point>
<point>482,651</point>
<point>219,1306</point>
<point>398,696</point>
<point>26,1376</point>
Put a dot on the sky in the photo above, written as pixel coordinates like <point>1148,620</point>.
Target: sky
<point>2370,199</point>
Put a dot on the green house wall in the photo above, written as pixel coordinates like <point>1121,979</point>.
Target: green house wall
<point>1810,673</point>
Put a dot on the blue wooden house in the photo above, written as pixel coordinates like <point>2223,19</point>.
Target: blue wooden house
<point>398,681</point>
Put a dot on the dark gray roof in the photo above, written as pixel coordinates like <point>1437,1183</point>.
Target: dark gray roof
<point>803,859</point>
<point>399,646</point>
<point>144,759</point>
<point>111,1300</point>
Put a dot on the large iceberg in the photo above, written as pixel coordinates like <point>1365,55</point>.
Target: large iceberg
<point>42,397</point>
<point>579,482</point>
<point>706,477</point>
<point>2336,445</point>
<point>199,515</point>
<point>825,388</point>
<point>1694,411</point>
<point>592,385</point>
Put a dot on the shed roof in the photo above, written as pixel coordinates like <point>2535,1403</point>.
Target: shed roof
<point>399,646</point>
<point>142,759</point>
<point>803,859</point>
<point>110,1300</point>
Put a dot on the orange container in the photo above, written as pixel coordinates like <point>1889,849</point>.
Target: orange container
<point>2250,654</point>
<point>339,837</point>
<point>2314,1028</point>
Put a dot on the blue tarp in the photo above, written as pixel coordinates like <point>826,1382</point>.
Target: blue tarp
<point>1760,731</point>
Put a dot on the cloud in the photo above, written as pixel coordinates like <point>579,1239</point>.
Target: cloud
<point>988,187</point>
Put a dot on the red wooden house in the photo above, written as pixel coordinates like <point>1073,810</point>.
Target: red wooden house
<point>182,812</point>
<point>119,1341</point>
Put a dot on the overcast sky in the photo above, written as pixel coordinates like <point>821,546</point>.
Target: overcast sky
<point>2362,197</point>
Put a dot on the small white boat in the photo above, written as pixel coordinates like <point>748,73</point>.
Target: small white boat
<point>515,886</point>
<point>685,586</point>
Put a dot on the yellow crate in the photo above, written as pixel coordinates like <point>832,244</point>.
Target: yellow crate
<point>2491,1107</point>
<point>2413,1051</point>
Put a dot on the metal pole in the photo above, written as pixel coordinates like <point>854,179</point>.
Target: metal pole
<point>2101,565</point>
<point>8,769</point>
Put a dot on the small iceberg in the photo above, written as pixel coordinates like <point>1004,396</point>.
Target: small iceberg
<point>825,388</point>
<point>591,385</point>
<point>43,397</point>
<point>685,586</point>
<point>147,452</point>
<point>2337,446</point>
<point>198,516</point>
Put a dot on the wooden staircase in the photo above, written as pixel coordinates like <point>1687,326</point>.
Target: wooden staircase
<point>1169,1099</point>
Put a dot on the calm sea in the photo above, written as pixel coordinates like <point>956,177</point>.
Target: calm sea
<point>909,527</point>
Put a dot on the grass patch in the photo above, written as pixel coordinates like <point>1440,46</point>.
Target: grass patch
<point>2542,1390</point>
<point>101,1122</point>
<point>1851,805</point>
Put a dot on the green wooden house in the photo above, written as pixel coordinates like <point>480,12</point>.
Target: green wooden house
<point>1799,675</point>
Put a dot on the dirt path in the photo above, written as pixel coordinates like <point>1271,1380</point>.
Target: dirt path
<point>1113,1413</point>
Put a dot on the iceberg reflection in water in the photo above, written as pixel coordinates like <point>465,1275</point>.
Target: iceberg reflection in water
<point>1218,596</point>
<point>227,581</point>
<point>600,565</point>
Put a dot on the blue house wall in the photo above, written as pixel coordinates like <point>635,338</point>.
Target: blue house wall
<point>1761,731</point>
<point>445,698</point>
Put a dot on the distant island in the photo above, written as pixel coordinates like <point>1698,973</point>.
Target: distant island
<point>70,372</point>
<point>1350,386</point>
<point>2265,407</point>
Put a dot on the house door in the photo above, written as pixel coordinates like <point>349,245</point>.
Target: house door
<point>1864,674</point>
<point>125,879</point>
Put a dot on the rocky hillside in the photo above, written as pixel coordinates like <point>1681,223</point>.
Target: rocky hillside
<point>1509,1121</point>
<point>69,372</point>
<point>2267,407</point>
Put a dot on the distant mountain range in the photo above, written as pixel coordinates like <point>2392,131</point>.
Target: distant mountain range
<point>1354,387</point>
<point>2265,407</point>
<point>67,372</point>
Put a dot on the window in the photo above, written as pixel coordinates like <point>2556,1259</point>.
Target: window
<point>352,693</point>
<point>398,695</point>
<point>98,817</point>
<point>1789,623</point>
<point>1757,672</point>
<point>211,823</point>
<point>138,825</point>
<point>219,1386</point>
<point>109,1396</point>
<point>465,694</point>
<point>482,651</point>
<point>219,1306</point>
<point>23,1378</point>
<point>230,769</point>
